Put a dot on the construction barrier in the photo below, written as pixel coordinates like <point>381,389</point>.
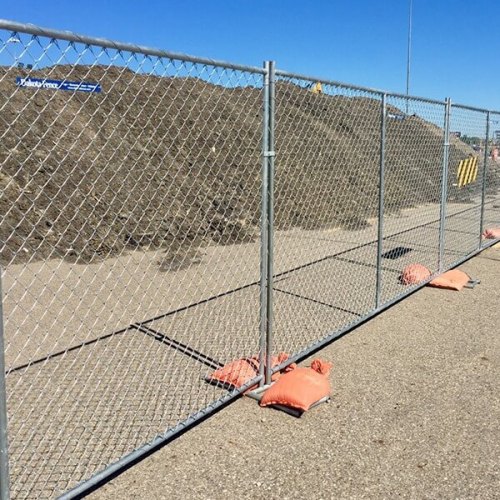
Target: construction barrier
<point>467,171</point>
<point>176,230</point>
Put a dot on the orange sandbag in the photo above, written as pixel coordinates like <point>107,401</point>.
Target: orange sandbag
<point>300,388</point>
<point>491,234</point>
<point>241,371</point>
<point>414,273</point>
<point>451,280</point>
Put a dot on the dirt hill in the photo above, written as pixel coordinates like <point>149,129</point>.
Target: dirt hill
<point>175,162</point>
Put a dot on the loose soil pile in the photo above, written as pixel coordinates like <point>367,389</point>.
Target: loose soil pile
<point>176,163</point>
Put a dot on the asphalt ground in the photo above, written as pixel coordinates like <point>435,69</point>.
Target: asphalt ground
<point>71,414</point>
<point>415,413</point>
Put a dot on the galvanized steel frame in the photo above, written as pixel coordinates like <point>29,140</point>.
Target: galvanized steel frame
<point>381,180</point>
<point>4,452</point>
<point>444,183</point>
<point>485,171</point>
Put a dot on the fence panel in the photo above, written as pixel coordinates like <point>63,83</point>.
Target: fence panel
<point>414,153</point>
<point>130,201</point>
<point>465,181</point>
<point>326,204</point>
<point>491,207</point>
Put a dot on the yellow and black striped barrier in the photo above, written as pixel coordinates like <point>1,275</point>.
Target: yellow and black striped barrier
<point>467,171</point>
<point>317,88</point>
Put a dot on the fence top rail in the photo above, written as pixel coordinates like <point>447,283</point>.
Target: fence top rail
<point>69,36</point>
<point>287,74</point>
<point>473,108</point>
<point>32,29</point>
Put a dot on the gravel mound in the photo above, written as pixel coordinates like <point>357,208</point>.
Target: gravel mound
<point>175,163</point>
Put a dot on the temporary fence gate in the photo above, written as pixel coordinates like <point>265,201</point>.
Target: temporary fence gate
<point>163,215</point>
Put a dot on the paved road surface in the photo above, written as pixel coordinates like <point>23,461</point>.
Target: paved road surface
<point>415,413</point>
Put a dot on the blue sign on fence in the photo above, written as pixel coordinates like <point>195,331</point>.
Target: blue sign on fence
<point>43,83</point>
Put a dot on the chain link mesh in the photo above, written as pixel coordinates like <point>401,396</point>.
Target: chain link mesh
<point>465,182</point>
<point>326,203</point>
<point>491,207</point>
<point>138,202</point>
<point>328,142</point>
<point>413,181</point>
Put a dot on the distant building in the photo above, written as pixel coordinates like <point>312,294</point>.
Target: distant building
<point>496,135</point>
<point>456,134</point>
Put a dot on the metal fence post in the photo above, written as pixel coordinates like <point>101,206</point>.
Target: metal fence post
<point>485,170</point>
<point>4,456</point>
<point>270,226</point>
<point>380,236</point>
<point>264,217</point>
<point>444,184</point>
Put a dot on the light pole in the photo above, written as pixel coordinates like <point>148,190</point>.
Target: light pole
<point>408,58</point>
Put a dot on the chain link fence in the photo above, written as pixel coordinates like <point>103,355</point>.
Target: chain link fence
<point>466,175</point>
<point>326,192</point>
<point>413,181</point>
<point>164,215</point>
<point>130,248</point>
<point>490,206</point>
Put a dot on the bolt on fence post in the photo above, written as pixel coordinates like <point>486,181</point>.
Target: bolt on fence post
<point>270,225</point>
<point>485,171</point>
<point>264,223</point>
<point>444,183</point>
<point>380,235</point>
<point>4,455</point>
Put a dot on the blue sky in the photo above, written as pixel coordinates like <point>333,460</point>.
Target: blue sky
<point>456,44</point>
